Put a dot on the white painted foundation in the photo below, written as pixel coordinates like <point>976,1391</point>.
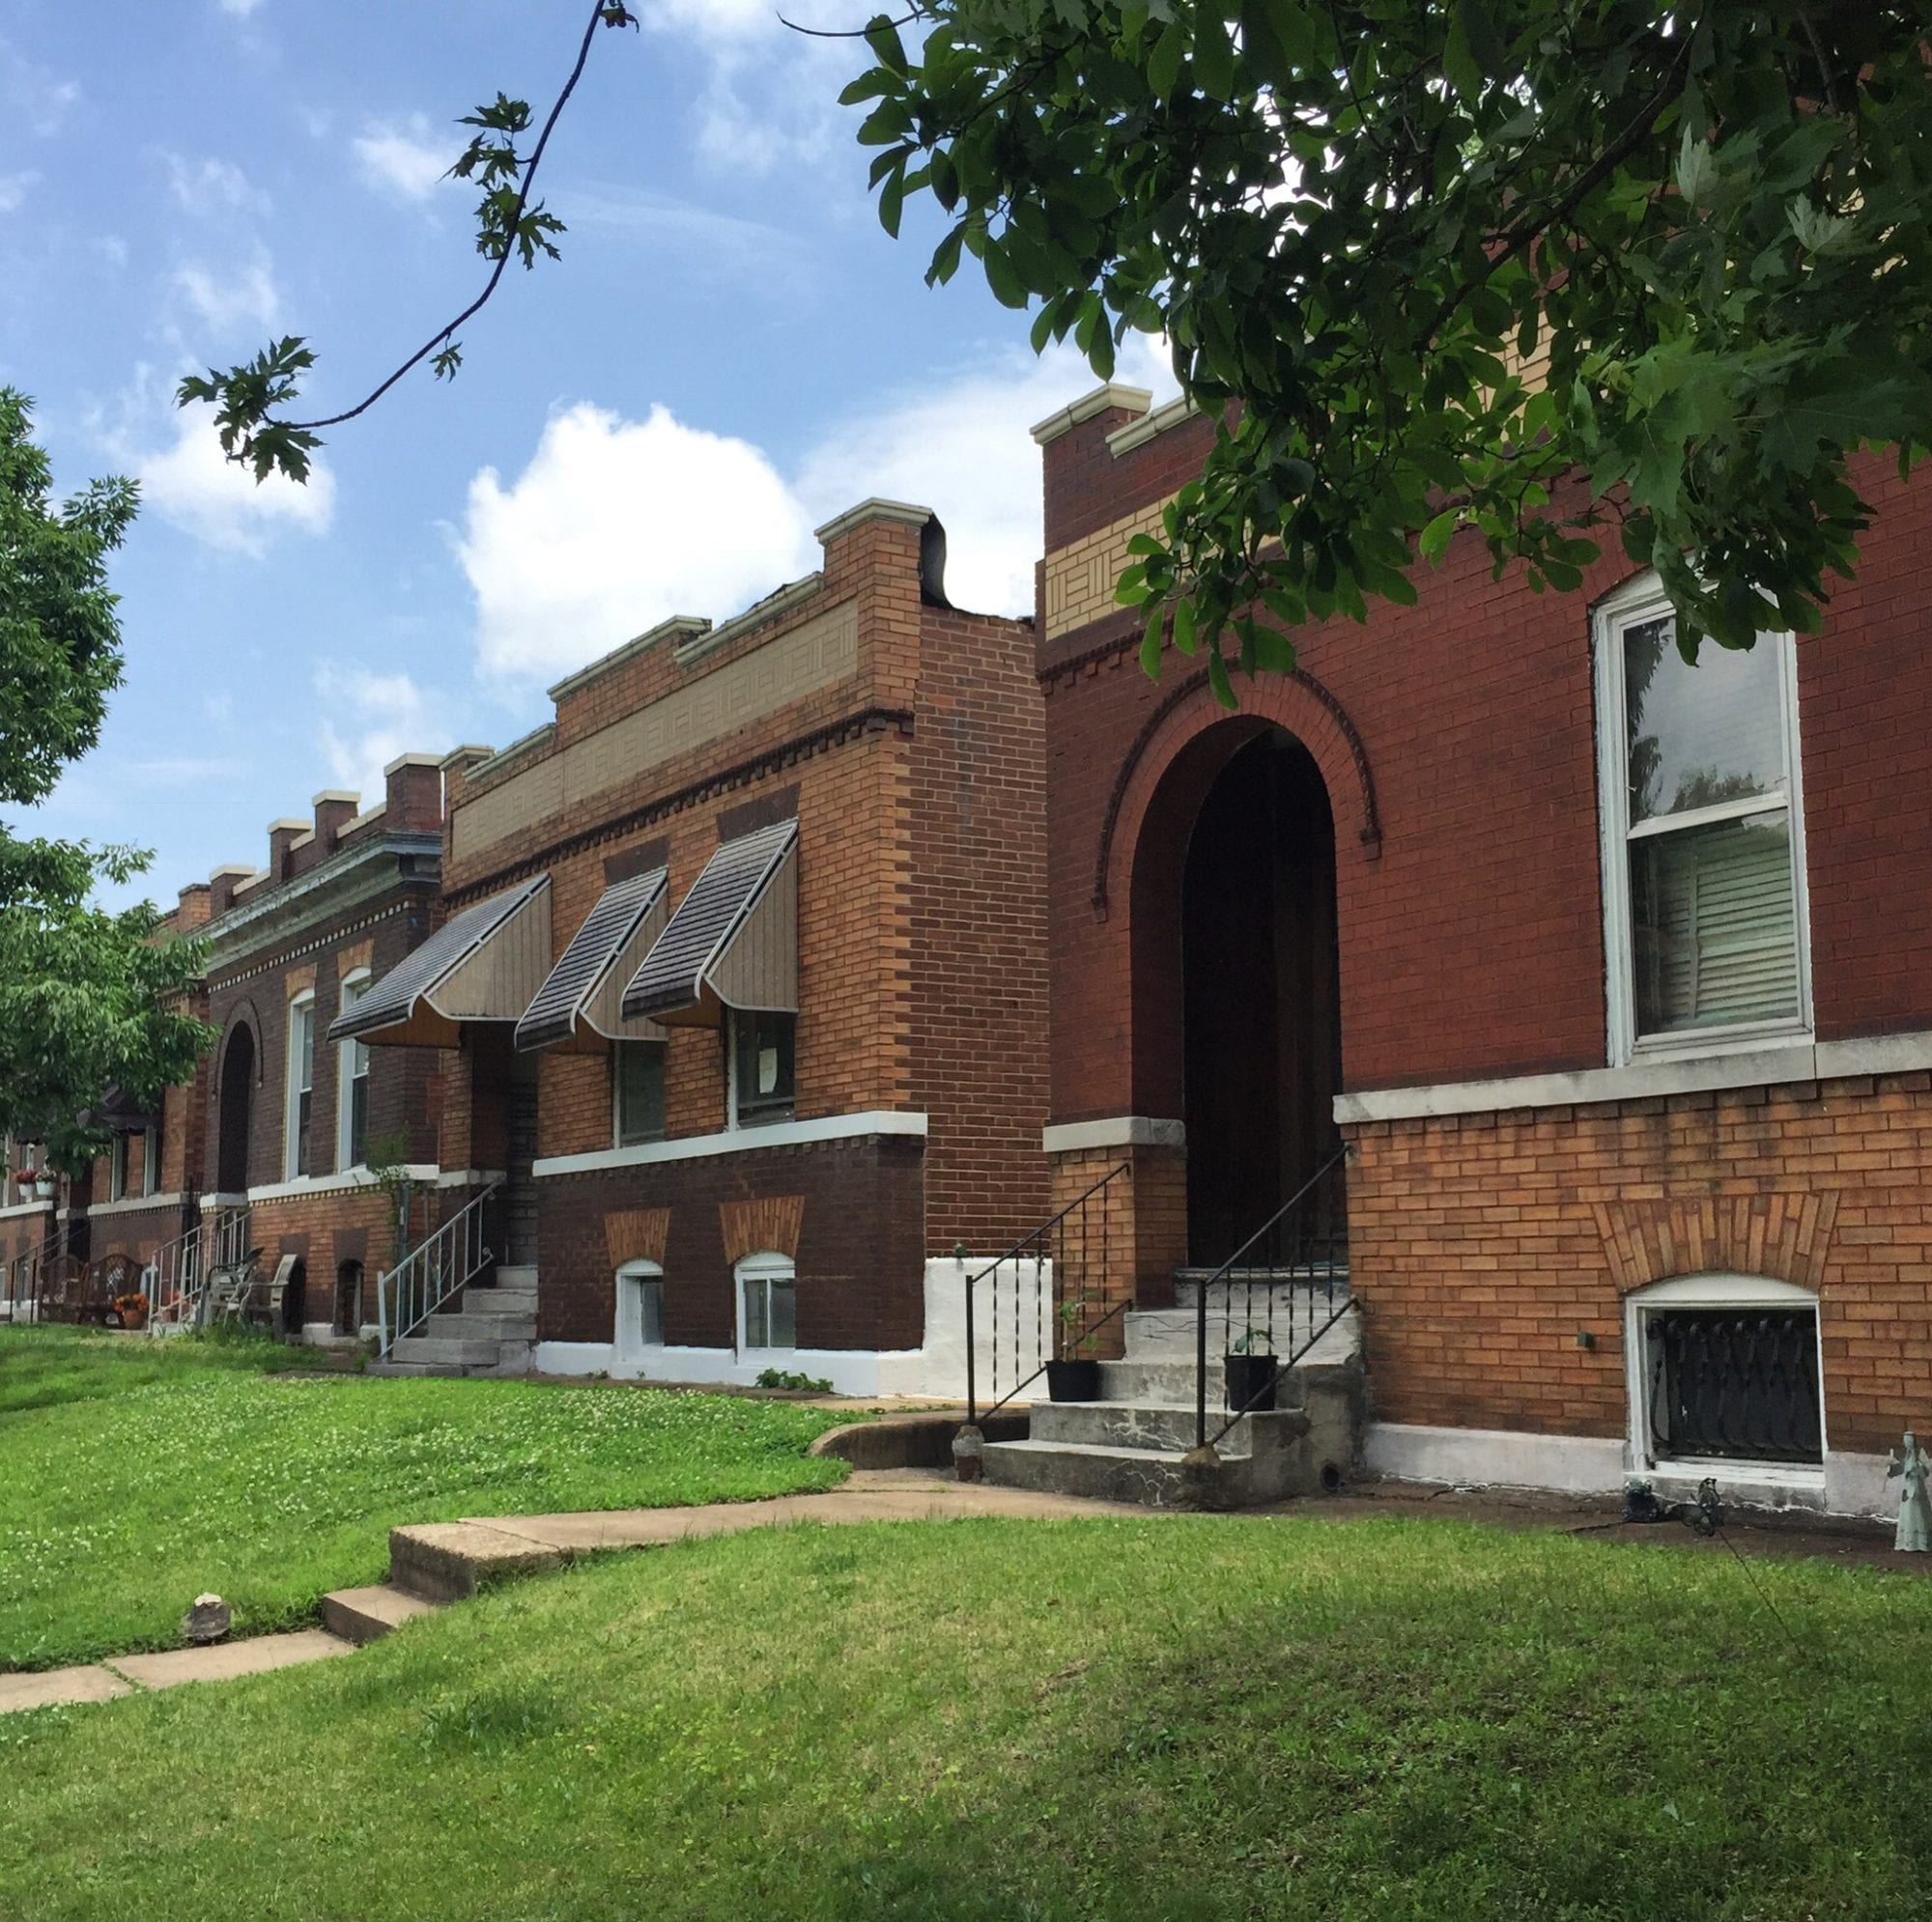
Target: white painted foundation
<point>1024,1327</point>
<point>1849,1484</point>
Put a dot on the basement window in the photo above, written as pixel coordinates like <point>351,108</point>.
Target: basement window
<point>640,1310</point>
<point>767,1302</point>
<point>1724,1369</point>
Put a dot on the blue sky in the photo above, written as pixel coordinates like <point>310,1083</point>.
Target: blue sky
<point>729,353</point>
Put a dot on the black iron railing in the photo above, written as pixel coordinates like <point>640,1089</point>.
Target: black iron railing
<point>1062,1285</point>
<point>1277,1294</point>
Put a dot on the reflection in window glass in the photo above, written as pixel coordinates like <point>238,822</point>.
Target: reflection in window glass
<point>771,1312</point>
<point>1700,735</point>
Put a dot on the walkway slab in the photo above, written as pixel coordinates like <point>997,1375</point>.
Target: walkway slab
<point>55,1687</point>
<point>446,1561</point>
<point>226,1661</point>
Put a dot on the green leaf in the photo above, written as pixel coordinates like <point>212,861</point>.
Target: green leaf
<point>882,35</point>
<point>1460,66</point>
<point>1009,289</point>
<point>1151,643</point>
<point>1439,532</point>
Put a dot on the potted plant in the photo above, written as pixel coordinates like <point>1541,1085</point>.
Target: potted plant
<point>132,1309</point>
<point>1252,1371</point>
<point>1074,1376</point>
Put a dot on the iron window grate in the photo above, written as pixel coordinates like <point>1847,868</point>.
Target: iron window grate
<point>1734,1384</point>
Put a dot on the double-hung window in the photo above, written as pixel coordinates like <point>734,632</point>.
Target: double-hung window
<point>1703,849</point>
<point>297,1159</point>
<point>352,1084</point>
<point>150,1161</point>
<point>117,1166</point>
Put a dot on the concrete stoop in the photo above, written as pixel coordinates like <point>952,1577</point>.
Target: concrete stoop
<point>1137,1444</point>
<point>490,1328</point>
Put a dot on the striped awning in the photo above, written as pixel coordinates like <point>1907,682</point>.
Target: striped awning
<point>483,966</point>
<point>734,941</point>
<point>579,1007</point>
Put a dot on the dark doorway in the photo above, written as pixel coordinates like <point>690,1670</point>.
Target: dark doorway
<point>238,1090</point>
<point>349,1298</point>
<point>1262,1049</point>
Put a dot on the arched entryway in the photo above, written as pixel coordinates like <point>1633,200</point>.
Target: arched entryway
<point>237,1090</point>
<point>1237,1016</point>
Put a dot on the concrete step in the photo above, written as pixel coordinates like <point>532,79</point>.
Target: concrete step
<point>367,1615</point>
<point>1161,1427</point>
<point>1151,1478</point>
<point>476,1323</point>
<point>417,1368</point>
<point>456,1350</point>
<point>444,1561</point>
<point>522,1275</point>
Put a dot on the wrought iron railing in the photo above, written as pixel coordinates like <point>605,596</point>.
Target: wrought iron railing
<point>178,1274</point>
<point>29,1277</point>
<point>433,1271</point>
<point>1062,1284</point>
<point>1277,1294</point>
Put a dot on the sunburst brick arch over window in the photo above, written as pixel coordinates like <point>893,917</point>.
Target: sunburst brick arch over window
<point>636,1235</point>
<point>1783,1235</point>
<point>768,1223</point>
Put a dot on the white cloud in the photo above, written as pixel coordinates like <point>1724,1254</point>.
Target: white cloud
<point>613,526</point>
<point>369,718</point>
<point>243,299</point>
<point>14,189</point>
<point>213,187</point>
<point>195,486</point>
<point>771,95</point>
<point>616,524</point>
<point>36,99</point>
<point>239,8</point>
<point>405,160</point>
<point>964,450</point>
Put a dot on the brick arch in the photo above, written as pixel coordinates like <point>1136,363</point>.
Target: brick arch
<point>1785,1236</point>
<point>234,1118</point>
<point>1297,702</point>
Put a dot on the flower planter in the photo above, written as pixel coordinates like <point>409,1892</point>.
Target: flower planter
<point>1251,1382</point>
<point>1073,1381</point>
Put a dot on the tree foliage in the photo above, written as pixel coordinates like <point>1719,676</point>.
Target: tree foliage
<point>88,999</point>
<point>1426,259</point>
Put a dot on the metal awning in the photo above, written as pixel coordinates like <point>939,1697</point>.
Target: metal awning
<point>119,1114</point>
<point>734,941</point>
<point>579,1005</point>
<point>483,966</point>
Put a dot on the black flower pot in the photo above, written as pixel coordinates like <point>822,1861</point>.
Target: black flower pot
<point>1251,1381</point>
<point>1073,1381</point>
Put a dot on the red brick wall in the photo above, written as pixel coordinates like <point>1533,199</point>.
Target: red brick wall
<point>857,1255</point>
<point>1471,944</point>
<point>1480,1246</point>
<point>974,872</point>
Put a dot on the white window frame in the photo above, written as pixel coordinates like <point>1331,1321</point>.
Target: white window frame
<point>628,1335</point>
<point>358,979</point>
<point>1632,605</point>
<point>117,1165</point>
<point>150,1161</point>
<point>292,1090</point>
<point>1714,1290</point>
<point>765,1266</point>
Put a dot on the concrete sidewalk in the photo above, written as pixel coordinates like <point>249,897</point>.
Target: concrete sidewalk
<point>443,1561</point>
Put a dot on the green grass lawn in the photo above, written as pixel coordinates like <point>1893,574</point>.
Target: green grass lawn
<point>1168,1718</point>
<point>135,1474</point>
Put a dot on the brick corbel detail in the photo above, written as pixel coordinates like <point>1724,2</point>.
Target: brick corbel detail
<point>767,1225</point>
<point>636,1234</point>
<point>1783,1236</point>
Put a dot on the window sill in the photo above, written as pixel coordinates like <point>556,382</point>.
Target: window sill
<point>736,1141</point>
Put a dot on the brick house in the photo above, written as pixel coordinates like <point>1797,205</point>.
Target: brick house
<point>1614,973</point>
<point>742,989</point>
<point>290,1121</point>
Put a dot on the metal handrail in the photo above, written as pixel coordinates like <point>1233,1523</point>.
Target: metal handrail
<point>188,1263</point>
<point>1233,1273</point>
<point>35,1262</point>
<point>1052,1230</point>
<point>431,1272</point>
